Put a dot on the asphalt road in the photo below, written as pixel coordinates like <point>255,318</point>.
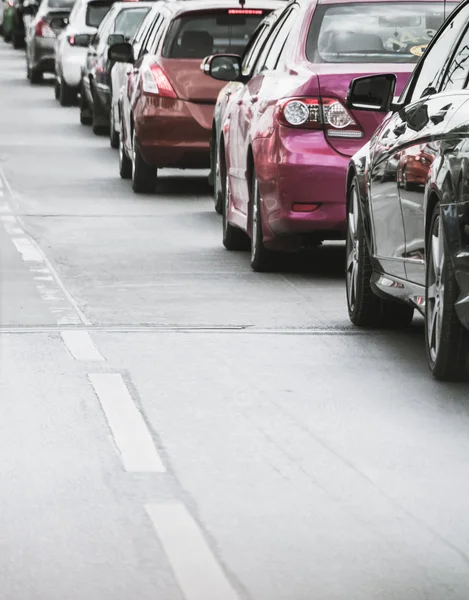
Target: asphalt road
<point>176,427</point>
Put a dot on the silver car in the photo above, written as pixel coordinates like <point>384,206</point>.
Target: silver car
<point>42,27</point>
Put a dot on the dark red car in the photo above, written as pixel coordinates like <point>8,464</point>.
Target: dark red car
<point>166,107</point>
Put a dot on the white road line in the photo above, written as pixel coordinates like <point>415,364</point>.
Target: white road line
<point>81,346</point>
<point>197,571</point>
<point>130,433</point>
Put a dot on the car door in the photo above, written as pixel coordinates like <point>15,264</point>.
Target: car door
<point>428,120</point>
<point>262,85</point>
<point>394,147</point>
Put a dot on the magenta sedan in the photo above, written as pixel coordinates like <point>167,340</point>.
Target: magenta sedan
<point>288,137</point>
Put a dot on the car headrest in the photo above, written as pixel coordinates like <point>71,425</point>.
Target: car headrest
<point>196,44</point>
<point>348,41</point>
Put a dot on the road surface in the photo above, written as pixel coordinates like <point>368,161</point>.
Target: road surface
<point>174,426</point>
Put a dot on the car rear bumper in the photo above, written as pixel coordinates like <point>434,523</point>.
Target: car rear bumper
<point>310,172</point>
<point>173,133</point>
<point>71,63</point>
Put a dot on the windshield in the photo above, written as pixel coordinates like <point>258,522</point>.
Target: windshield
<point>128,20</point>
<point>373,32</point>
<point>95,13</point>
<point>201,35</point>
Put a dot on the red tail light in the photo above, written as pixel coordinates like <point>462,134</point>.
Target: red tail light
<point>10,3</point>
<point>245,11</point>
<point>43,30</point>
<point>328,114</point>
<point>71,40</point>
<point>156,82</point>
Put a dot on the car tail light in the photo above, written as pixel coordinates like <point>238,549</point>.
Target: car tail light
<point>245,11</point>
<point>156,83</point>
<point>328,114</point>
<point>10,3</point>
<point>43,30</point>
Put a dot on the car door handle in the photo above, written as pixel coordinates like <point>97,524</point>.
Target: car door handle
<point>399,130</point>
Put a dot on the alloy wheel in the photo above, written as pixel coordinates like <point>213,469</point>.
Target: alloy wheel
<point>436,289</point>
<point>352,250</point>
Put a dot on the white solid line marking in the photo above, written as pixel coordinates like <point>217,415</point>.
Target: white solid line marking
<point>197,571</point>
<point>80,345</point>
<point>130,433</point>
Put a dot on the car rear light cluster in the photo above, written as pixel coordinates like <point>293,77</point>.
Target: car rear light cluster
<point>156,83</point>
<point>328,114</point>
<point>44,30</point>
<point>245,11</point>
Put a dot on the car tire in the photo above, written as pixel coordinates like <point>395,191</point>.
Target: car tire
<point>218,182</point>
<point>7,37</point>
<point>35,76</point>
<point>261,257</point>
<point>56,89</point>
<point>18,41</point>
<point>446,339</point>
<point>125,164</point>
<point>405,183</point>
<point>67,94</point>
<point>365,308</point>
<point>113,134</point>
<point>233,237</point>
<point>96,126</point>
<point>143,175</point>
<point>85,112</point>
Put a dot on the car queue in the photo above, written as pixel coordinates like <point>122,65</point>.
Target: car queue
<point>319,120</point>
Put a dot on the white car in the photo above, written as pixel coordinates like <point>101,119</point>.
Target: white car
<point>71,46</point>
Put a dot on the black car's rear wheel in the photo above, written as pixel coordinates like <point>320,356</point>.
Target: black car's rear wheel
<point>143,175</point>
<point>365,308</point>
<point>447,341</point>
<point>56,89</point>
<point>113,134</point>
<point>85,112</point>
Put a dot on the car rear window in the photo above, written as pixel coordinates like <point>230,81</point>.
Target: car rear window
<point>95,13</point>
<point>197,36</point>
<point>128,20</point>
<point>373,32</point>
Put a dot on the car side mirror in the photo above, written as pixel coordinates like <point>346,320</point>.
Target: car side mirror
<point>82,40</point>
<point>115,38</point>
<point>373,92</point>
<point>121,53</point>
<point>223,67</point>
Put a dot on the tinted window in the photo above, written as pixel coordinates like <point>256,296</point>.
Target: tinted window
<point>431,68</point>
<point>198,36</point>
<point>373,32</point>
<point>95,13</point>
<point>128,20</point>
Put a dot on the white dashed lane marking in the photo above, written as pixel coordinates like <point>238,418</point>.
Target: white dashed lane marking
<point>197,571</point>
<point>81,346</point>
<point>131,436</point>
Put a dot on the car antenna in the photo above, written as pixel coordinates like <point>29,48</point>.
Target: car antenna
<point>243,2</point>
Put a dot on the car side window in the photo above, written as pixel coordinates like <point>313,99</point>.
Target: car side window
<point>148,37</point>
<point>156,37</point>
<point>456,77</point>
<point>276,49</point>
<point>250,54</point>
<point>275,31</point>
<point>430,71</point>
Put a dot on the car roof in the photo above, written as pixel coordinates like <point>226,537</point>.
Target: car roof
<point>130,4</point>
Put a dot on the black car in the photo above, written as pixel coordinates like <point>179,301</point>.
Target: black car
<point>408,233</point>
<point>118,26</point>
